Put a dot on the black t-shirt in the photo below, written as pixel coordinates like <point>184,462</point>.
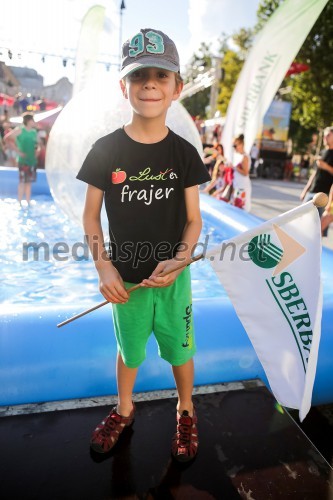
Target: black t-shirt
<point>144,198</point>
<point>323,180</point>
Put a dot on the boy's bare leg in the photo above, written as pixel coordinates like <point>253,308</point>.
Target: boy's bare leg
<point>20,191</point>
<point>184,377</point>
<point>125,382</point>
<point>27,191</point>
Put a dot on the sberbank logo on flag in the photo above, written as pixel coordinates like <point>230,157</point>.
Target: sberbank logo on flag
<point>265,253</point>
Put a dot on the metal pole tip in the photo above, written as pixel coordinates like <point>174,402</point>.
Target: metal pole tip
<point>320,200</point>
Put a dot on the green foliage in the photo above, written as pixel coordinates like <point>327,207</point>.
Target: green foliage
<point>264,12</point>
<point>312,91</point>
<point>196,104</point>
<point>231,66</point>
<point>200,62</point>
<point>243,40</point>
<point>232,63</point>
<point>301,136</point>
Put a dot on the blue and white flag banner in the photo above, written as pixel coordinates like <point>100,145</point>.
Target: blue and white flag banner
<point>272,275</point>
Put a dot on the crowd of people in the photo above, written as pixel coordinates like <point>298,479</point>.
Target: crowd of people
<point>321,180</point>
<point>231,182</point>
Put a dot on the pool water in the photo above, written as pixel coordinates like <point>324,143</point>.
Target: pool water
<point>63,275</point>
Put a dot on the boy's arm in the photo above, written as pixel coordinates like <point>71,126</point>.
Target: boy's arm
<point>110,282</point>
<point>190,237</point>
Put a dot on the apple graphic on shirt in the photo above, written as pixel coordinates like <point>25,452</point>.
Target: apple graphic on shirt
<point>118,176</point>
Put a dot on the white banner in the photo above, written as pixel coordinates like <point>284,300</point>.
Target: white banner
<point>272,275</point>
<point>88,46</point>
<point>274,49</point>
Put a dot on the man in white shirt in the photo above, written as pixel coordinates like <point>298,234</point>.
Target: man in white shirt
<point>254,153</point>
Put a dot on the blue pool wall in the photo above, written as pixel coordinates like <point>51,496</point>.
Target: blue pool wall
<point>40,362</point>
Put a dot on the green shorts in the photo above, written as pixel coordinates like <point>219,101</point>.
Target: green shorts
<point>165,311</point>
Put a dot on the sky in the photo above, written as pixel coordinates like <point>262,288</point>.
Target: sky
<point>37,28</point>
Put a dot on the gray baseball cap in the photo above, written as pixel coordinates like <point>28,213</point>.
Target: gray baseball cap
<point>149,49</point>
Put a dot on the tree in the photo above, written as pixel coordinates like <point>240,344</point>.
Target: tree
<point>232,63</point>
<point>199,63</point>
<point>231,67</point>
<point>264,12</point>
<point>312,91</point>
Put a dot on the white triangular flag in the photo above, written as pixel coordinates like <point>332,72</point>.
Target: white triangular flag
<point>272,275</point>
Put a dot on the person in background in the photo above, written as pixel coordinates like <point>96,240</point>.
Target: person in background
<point>9,146</point>
<point>42,104</point>
<point>211,156</point>
<point>242,185</point>
<point>2,152</point>
<point>23,140</point>
<point>254,154</point>
<point>2,130</point>
<point>304,167</point>
<point>17,104</point>
<point>217,183</point>
<point>288,168</point>
<point>321,179</point>
<point>219,159</point>
<point>221,185</point>
<point>41,153</point>
<point>327,217</point>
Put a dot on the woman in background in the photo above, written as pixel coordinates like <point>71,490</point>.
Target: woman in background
<point>242,184</point>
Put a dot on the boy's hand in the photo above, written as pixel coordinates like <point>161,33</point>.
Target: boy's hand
<point>156,281</point>
<point>112,286</point>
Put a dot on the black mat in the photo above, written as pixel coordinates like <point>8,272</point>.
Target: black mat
<point>248,449</point>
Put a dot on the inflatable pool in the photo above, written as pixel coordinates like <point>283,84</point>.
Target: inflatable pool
<point>39,362</point>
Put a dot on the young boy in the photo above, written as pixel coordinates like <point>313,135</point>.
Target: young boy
<point>148,177</point>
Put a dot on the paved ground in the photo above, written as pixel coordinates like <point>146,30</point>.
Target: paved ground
<point>250,449</point>
<point>271,198</point>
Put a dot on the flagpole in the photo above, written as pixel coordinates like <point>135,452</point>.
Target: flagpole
<point>320,200</point>
<point>122,7</point>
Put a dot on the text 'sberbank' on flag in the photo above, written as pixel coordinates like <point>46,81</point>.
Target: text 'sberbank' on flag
<point>272,275</point>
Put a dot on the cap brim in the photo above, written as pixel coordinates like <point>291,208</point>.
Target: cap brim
<point>148,62</point>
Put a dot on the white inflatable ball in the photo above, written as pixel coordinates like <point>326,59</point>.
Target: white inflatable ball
<point>91,114</point>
